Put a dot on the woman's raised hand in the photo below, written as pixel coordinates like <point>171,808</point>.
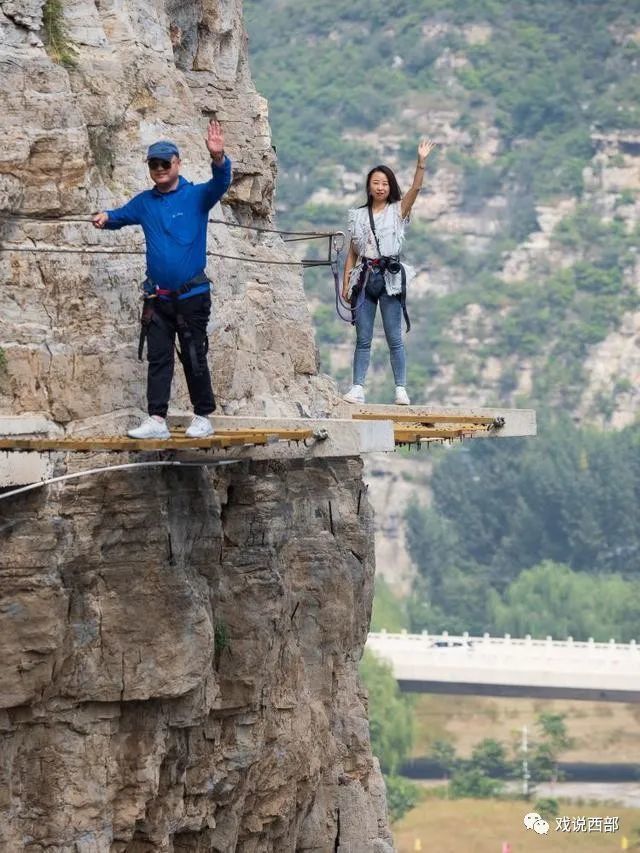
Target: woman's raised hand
<point>425,148</point>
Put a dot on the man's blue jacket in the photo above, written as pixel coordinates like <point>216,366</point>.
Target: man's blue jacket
<point>175,227</point>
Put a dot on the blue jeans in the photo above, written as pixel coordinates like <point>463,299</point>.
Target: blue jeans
<point>391,311</point>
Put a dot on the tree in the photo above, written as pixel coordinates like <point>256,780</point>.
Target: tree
<point>444,753</point>
<point>490,757</point>
<point>472,782</point>
<point>391,730</point>
<point>402,796</point>
<point>390,714</point>
<point>551,599</point>
<point>545,753</point>
<point>540,537</point>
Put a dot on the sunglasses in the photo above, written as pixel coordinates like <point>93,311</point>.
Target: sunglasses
<point>159,164</point>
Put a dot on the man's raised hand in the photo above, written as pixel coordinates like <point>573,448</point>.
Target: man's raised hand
<point>100,220</point>
<point>215,140</point>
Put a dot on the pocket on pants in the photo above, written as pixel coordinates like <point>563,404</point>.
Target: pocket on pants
<point>375,286</point>
<point>197,311</point>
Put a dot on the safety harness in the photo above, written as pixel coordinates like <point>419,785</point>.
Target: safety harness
<point>151,292</point>
<point>382,263</point>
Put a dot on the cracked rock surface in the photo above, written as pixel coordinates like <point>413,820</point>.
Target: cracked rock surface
<point>179,663</point>
<point>74,141</point>
<point>178,647</point>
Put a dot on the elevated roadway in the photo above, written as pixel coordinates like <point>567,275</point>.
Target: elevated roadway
<point>504,666</point>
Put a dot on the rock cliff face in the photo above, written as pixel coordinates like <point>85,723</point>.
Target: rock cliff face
<point>178,651</point>
<point>179,664</point>
<point>74,140</point>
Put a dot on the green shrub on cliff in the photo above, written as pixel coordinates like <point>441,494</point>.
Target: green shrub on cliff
<point>55,34</point>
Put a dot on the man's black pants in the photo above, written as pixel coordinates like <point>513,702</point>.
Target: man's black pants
<point>161,335</point>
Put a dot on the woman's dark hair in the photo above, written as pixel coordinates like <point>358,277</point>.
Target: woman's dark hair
<point>394,189</point>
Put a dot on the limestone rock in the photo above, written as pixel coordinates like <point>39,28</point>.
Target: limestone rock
<point>74,142</point>
<point>178,651</point>
<point>183,649</point>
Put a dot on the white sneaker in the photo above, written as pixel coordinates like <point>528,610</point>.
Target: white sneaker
<point>151,428</point>
<point>402,398</point>
<point>355,395</point>
<point>199,427</point>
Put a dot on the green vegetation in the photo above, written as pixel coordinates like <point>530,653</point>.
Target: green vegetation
<point>59,45</point>
<point>390,719</point>
<point>482,776</point>
<point>598,728</point>
<point>552,740</point>
<point>221,636</point>
<point>553,321</point>
<point>551,599</point>
<point>3,360</point>
<point>402,796</point>
<point>391,729</point>
<point>221,641</point>
<point>389,612</point>
<point>547,806</point>
<point>538,537</point>
<point>391,723</point>
<point>547,75</point>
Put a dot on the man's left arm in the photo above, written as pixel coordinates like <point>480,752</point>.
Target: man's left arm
<point>220,181</point>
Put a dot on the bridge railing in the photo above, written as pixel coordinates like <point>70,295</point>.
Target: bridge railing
<point>445,640</point>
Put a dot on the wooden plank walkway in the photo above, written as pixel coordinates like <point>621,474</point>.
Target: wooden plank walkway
<point>178,441</point>
<point>419,424</point>
<point>429,418</point>
<point>364,429</point>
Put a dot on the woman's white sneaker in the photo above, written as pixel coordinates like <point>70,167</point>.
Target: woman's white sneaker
<point>355,395</point>
<point>402,398</point>
<point>150,428</point>
<point>199,427</point>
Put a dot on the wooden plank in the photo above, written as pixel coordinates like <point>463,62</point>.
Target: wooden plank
<point>506,423</point>
<point>177,441</point>
<point>405,434</point>
<point>427,418</point>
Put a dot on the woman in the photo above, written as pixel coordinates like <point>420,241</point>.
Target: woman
<point>373,274</point>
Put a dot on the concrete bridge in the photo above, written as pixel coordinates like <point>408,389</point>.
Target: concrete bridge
<point>504,666</point>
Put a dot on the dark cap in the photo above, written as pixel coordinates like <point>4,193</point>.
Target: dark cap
<point>163,150</point>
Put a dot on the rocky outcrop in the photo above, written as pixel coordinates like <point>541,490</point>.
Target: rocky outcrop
<point>179,664</point>
<point>178,651</point>
<point>74,142</point>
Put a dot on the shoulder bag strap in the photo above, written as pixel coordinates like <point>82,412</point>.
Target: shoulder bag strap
<point>373,230</point>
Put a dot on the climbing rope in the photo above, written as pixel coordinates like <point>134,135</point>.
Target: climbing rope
<point>297,235</point>
<point>336,243</point>
<point>51,250</point>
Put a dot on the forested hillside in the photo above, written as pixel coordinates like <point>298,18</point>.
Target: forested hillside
<point>526,238</point>
<point>528,293</point>
<point>526,234</point>
<point>538,537</point>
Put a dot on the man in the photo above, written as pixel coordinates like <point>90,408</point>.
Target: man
<point>173,216</point>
